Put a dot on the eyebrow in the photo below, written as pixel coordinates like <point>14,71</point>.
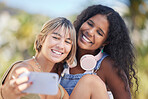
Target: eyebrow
<point>99,28</point>
<point>55,33</point>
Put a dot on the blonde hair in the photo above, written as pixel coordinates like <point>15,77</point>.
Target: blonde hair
<point>52,25</point>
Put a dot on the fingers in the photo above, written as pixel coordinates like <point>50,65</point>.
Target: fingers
<point>22,80</point>
<point>21,70</point>
<point>18,85</point>
<point>17,81</point>
<point>18,72</point>
<point>17,92</point>
<point>24,86</point>
<point>20,88</point>
<point>22,83</point>
<point>12,83</point>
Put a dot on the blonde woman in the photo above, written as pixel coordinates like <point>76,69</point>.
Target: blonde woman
<point>55,43</point>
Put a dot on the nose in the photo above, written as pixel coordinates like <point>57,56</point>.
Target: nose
<point>61,44</point>
<point>91,32</point>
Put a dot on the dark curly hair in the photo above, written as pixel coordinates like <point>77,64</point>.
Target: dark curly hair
<point>120,48</point>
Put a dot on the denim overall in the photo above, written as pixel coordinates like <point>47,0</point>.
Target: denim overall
<point>69,81</point>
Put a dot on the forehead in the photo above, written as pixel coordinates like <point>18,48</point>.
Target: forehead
<point>62,31</point>
<point>100,21</point>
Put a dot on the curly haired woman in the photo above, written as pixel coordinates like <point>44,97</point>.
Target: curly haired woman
<point>100,29</point>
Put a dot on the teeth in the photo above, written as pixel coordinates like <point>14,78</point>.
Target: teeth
<point>57,52</point>
<point>86,39</point>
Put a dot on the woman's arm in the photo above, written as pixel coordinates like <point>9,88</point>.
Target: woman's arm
<point>13,86</point>
<point>109,73</point>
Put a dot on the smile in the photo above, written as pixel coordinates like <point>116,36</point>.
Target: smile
<point>57,52</point>
<point>85,38</point>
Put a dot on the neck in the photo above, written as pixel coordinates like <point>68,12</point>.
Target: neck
<point>45,64</point>
<point>81,52</point>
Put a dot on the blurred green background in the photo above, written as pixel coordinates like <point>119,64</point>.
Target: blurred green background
<point>18,29</point>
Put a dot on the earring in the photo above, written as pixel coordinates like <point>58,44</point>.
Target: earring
<point>101,49</point>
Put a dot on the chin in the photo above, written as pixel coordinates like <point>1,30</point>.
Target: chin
<point>57,60</point>
<point>83,47</point>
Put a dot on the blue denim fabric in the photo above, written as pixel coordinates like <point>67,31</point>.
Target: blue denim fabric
<point>69,81</point>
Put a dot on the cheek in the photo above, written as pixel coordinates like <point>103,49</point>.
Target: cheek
<point>84,26</point>
<point>79,37</point>
<point>79,44</point>
<point>68,48</point>
<point>99,42</point>
<point>51,43</point>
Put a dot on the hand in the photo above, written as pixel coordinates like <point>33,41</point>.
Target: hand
<point>13,87</point>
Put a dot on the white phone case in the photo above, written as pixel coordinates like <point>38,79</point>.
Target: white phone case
<point>43,83</point>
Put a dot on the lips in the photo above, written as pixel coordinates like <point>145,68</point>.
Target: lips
<point>56,52</point>
<point>86,39</point>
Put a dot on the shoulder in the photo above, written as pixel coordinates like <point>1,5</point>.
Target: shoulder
<point>107,69</point>
<point>107,64</point>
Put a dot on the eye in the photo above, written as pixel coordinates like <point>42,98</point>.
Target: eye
<point>68,41</point>
<point>99,32</point>
<point>57,38</point>
<point>90,24</point>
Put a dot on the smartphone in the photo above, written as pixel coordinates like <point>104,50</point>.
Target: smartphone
<point>43,83</point>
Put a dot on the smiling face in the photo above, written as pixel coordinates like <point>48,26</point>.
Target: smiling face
<point>57,41</point>
<point>93,33</point>
<point>57,45</point>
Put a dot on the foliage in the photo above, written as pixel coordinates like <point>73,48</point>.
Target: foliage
<point>20,29</point>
